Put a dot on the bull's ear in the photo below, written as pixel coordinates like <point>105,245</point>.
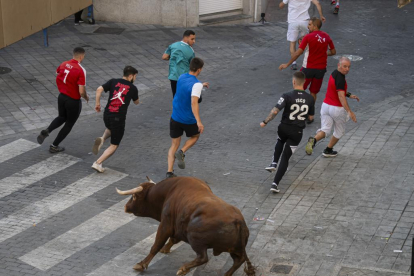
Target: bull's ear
<point>150,181</point>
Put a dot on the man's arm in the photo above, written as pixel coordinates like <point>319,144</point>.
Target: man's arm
<point>136,102</point>
<point>99,91</point>
<point>166,56</point>
<point>196,111</point>
<point>331,52</point>
<point>295,56</point>
<point>319,7</point>
<point>281,5</point>
<point>270,117</point>
<point>82,92</point>
<point>344,103</point>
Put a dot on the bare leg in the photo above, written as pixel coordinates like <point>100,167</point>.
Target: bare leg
<point>202,258</point>
<point>190,142</point>
<point>175,143</point>
<point>292,48</point>
<point>237,262</point>
<point>314,96</point>
<point>333,142</point>
<point>107,153</point>
<point>106,135</point>
<point>320,135</point>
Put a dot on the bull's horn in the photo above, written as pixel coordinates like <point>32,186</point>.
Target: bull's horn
<point>130,192</point>
<point>150,181</point>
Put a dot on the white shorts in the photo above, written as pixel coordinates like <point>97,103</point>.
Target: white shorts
<point>333,116</point>
<point>296,30</point>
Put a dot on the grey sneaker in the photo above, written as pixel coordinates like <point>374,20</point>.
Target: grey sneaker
<point>274,188</point>
<point>179,155</point>
<point>294,66</point>
<point>310,145</point>
<point>170,175</point>
<point>97,146</point>
<point>55,149</point>
<point>42,136</point>
<point>272,167</point>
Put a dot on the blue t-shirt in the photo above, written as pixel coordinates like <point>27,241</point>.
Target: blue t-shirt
<point>181,55</point>
<point>182,111</point>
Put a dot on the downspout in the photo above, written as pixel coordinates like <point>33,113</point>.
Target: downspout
<point>255,11</point>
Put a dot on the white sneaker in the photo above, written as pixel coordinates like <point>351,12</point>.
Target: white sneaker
<point>97,146</point>
<point>98,167</point>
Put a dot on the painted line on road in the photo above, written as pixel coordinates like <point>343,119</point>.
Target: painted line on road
<point>15,148</point>
<point>78,238</point>
<point>123,263</point>
<point>35,173</point>
<point>57,202</point>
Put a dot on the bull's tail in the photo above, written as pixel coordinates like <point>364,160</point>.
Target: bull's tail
<point>244,235</point>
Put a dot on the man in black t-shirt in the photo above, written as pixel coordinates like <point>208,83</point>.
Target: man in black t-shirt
<point>121,92</point>
<point>297,105</point>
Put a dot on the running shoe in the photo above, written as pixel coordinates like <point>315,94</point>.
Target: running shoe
<point>333,2</point>
<point>42,136</point>
<point>97,146</point>
<point>170,175</point>
<point>329,153</point>
<point>336,10</point>
<point>179,155</point>
<point>309,121</point>
<point>271,168</point>
<point>294,66</point>
<point>310,145</point>
<point>55,149</point>
<point>274,188</point>
<point>98,167</point>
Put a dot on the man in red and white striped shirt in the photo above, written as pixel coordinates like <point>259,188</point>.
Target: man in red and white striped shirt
<point>71,82</point>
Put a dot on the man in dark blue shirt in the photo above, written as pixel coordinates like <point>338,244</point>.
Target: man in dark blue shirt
<point>297,105</point>
<point>185,116</point>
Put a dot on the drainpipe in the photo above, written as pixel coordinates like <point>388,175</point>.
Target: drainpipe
<point>255,10</point>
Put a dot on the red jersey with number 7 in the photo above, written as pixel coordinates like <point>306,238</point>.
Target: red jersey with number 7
<point>70,75</point>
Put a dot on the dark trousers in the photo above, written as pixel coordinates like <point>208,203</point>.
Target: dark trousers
<point>173,87</point>
<point>287,142</point>
<point>69,111</point>
<point>78,16</point>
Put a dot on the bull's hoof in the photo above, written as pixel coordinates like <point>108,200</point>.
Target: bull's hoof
<point>139,267</point>
<point>165,251</point>
<point>182,271</point>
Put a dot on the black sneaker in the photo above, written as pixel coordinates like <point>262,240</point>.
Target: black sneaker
<point>294,66</point>
<point>179,155</point>
<point>55,149</point>
<point>42,136</point>
<point>310,145</point>
<point>336,11</point>
<point>329,153</point>
<point>274,188</point>
<point>271,168</point>
<point>170,174</point>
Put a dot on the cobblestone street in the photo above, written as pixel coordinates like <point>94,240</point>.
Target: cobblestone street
<point>349,215</point>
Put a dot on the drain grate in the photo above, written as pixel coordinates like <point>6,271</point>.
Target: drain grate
<point>282,269</point>
<point>5,70</point>
<point>107,30</point>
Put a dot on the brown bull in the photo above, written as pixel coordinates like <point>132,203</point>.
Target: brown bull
<point>188,211</point>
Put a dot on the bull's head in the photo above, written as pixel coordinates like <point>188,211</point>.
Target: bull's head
<point>137,205</point>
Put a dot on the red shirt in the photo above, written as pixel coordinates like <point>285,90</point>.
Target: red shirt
<point>318,42</point>
<point>337,83</point>
<point>70,74</point>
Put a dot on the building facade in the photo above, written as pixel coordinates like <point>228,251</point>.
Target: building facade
<point>179,13</point>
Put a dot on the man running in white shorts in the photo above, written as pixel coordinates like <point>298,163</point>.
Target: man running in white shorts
<point>335,111</point>
<point>298,16</point>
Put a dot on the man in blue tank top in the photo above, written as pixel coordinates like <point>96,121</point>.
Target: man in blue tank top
<point>185,115</point>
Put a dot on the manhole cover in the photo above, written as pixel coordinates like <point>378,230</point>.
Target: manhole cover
<point>281,269</point>
<point>107,30</point>
<point>4,70</point>
<point>351,57</point>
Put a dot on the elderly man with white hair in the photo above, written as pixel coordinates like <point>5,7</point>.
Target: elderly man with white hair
<point>335,111</point>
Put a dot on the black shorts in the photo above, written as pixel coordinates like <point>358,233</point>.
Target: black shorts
<point>177,129</point>
<point>116,124</point>
<point>290,134</point>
